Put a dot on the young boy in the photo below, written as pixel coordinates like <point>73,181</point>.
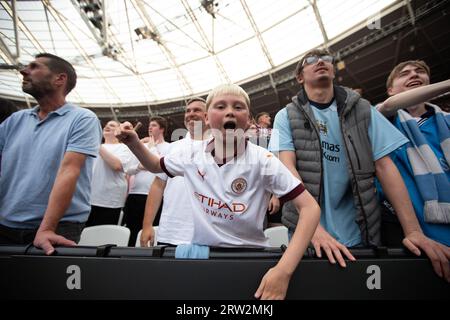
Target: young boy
<point>230,182</point>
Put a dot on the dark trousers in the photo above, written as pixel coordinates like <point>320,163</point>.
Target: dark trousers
<point>102,215</point>
<point>133,217</point>
<point>69,230</point>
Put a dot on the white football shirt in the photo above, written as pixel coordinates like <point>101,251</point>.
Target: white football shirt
<point>230,200</point>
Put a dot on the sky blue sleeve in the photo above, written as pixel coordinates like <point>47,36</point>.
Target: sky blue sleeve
<point>384,136</point>
<point>86,136</point>
<point>281,138</point>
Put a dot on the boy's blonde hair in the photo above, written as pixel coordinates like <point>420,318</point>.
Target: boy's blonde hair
<point>228,88</point>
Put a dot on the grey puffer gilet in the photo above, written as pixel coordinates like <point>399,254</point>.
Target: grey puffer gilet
<point>354,116</point>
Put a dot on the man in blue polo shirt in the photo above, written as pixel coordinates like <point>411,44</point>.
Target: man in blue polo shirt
<point>47,155</point>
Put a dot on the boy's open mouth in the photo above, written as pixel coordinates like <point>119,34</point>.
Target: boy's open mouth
<point>229,125</point>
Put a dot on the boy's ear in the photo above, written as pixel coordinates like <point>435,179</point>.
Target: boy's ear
<point>299,78</point>
<point>390,92</point>
<point>206,119</point>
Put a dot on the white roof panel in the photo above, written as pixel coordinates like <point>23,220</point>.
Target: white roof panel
<point>187,48</point>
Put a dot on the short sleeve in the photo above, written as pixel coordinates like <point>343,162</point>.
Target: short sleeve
<point>174,163</point>
<point>126,157</point>
<point>384,136</point>
<point>86,136</point>
<point>278,180</point>
<point>281,138</point>
<point>133,167</point>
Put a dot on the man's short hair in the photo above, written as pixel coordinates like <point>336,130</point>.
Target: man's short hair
<point>59,65</point>
<point>193,99</point>
<point>259,115</point>
<point>162,122</point>
<point>398,68</point>
<point>229,88</point>
<point>314,52</point>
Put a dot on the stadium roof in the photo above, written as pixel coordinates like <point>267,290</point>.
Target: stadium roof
<point>145,52</point>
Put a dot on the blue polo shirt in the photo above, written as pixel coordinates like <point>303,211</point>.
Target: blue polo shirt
<point>31,153</point>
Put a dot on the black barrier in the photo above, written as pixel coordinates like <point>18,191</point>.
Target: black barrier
<point>110,272</point>
<point>112,251</point>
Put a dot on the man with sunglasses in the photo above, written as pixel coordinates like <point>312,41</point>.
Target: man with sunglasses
<point>338,143</point>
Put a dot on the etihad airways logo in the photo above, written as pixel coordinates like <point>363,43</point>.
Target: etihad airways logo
<point>211,203</point>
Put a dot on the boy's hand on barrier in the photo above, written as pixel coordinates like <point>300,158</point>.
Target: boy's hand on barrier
<point>273,285</point>
<point>333,248</point>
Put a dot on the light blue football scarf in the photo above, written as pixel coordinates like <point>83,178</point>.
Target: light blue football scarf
<point>431,180</point>
<point>191,251</point>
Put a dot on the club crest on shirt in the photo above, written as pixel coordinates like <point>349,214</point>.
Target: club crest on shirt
<point>239,185</point>
<point>323,128</point>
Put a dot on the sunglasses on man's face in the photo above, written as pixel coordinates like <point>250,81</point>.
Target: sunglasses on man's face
<point>314,59</point>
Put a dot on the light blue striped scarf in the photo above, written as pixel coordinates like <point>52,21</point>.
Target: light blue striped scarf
<point>431,180</point>
<point>191,251</point>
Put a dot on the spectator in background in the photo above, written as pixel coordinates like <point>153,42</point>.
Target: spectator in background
<point>47,158</point>
<point>140,179</point>
<point>252,130</point>
<point>424,161</point>
<point>263,123</point>
<point>263,120</point>
<point>109,184</point>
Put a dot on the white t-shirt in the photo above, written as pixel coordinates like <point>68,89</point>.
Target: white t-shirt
<point>176,225</point>
<point>109,187</point>
<point>230,201</point>
<point>141,179</point>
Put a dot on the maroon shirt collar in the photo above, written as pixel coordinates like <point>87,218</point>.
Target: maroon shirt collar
<point>210,147</point>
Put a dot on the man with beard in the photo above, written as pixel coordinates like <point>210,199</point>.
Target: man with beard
<point>47,155</point>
